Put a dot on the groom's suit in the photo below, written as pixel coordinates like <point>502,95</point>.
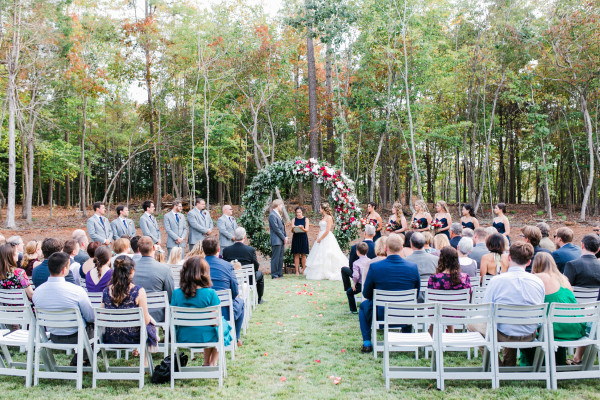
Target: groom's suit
<point>278,237</point>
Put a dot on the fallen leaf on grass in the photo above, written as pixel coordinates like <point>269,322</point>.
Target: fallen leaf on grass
<point>283,379</point>
<point>300,377</point>
<point>266,354</point>
<point>318,361</point>
<point>337,380</point>
<point>343,350</point>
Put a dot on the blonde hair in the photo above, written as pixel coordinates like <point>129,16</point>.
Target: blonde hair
<point>544,263</point>
<point>196,251</point>
<point>175,255</point>
<point>397,206</point>
<point>422,205</point>
<point>380,246</point>
<point>440,241</point>
<point>32,247</point>
<point>121,245</point>
<point>159,256</point>
<point>443,204</point>
<point>326,208</point>
<point>428,238</point>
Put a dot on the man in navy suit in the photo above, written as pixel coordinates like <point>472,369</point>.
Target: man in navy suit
<point>347,271</point>
<point>393,273</point>
<point>566,251</point>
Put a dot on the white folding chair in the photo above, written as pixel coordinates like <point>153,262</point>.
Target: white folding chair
<point>95,299</point>
<point>534,316</point>
<point>157,301</point>
<point>585,294</point>
<point>20,315</point>
<point>250,269</point>
<point>120,318</point>
<point>62,319</point>
<point>452,314</point>
<point>227,301</point>
<point>424,284</point>
<point>175,273</point>
<point>409,314</point>
<point>196,317</point>
<point>586,313</point>
<point>13,297</point>
<point>380,297</point>
<point>486,280</point>
<point>244,288</point>
<point>477,295</point>
<point>475,281</point>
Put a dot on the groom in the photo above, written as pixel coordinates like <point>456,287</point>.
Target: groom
<point>278,238</point>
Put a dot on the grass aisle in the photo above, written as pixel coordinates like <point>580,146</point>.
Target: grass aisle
<point>298,343</point>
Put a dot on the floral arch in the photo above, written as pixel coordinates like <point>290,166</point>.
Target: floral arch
<point>286,173</point>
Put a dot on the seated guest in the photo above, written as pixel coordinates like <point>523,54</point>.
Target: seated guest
<point>491,230</point>
<point>175,256</point>
<point>585,271</point>
<point>246,255</point>
<point>121,247</point>
<point>558,290</point>
<point>41,272</point>
<point>32,256</point>
<point>496,261</point>
<point>532,234</point>
<point>88,265</point>
<point>467,265</point>
<point>99,278</point>
<point>360,265</point>
<point>406,246</point>
<point>121,294</point>
<point>12,277</point>
<point>514,287</point>
<point>223,278</point>
<point>159,255</point>
<point>393,273</point>
<point>17,241</point>
<point>468,233</point>
<point>429,249</point>
<point>479,249</point>
<point>81,237</point>
<point>380,250</point>
<point>133,243</point>
<point>439,242</point>
<point>565,250</point>
<point>456,230</point>
<point>546,242</point>
<point>152,275</point>
<point>347,272</point>
<point>427,263</point>
<point>57,294</point>
<point>71,247</point>
<point>195,251</point>
<point>196,292</point>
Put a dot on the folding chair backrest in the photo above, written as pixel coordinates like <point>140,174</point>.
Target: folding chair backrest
<point>95,299</point>
<point>120,318</point>
<point>486,280</point>
<point>585,295</point>
<point>225,297</point>
<point>13,297</point>
<point>410,314</point>
<point>380,297</point>
<point>248,267</point>
<point>69,318</point>
<point>157,301</point>
<point>175,273</point>
<point>520,315</point>
<point>574,313</point>
<point>242,276</point>
<point>475,281</point>
<point>448,296</point>
<point>187,316</point>
<point>477,295</point>
<point>424,282</point>
<point>16,315</point>
<point>456,314</point>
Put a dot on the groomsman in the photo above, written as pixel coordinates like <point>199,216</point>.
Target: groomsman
<point>201,224</point>
<point>122,225</point>
<point>175,227</point>
<point>148,223</point>
<point>278,239</point>
<point>98,226</point>
<point>227,226</point>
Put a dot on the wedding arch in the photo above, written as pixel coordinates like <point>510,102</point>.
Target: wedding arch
<point>342,199</point>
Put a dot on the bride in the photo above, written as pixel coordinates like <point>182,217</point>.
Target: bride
<point>325,259</point>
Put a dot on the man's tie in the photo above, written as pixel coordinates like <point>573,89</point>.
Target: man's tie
<point>125,223</point>
<point>102,222</point>
<point>177,217</point>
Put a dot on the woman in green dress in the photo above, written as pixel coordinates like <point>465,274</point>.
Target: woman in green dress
<point>558,290</point>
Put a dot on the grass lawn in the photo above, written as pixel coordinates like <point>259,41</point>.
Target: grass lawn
<point>295,343</point>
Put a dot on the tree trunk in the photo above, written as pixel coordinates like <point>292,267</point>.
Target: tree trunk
<point>312,110</point>
<point>329,112</point>
<point>82,186</point>
<point>590,138</point>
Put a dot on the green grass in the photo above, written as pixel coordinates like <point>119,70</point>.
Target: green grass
<point>287,334</point>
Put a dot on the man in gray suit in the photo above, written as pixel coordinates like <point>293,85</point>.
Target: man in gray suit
<point>98,226</point>
<point>122,225</point>
<point>148,223</point>
<point>427,263</point>
<point>152,275</point>
<point>480,249</point>
<point>176,227</point>
<point>227,226</point>
<point>278,238</point>
<point>201,224</point>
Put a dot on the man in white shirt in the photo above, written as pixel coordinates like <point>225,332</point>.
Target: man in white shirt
<point>98,226</point>
<point>515,287</point>
<point>57,294</point>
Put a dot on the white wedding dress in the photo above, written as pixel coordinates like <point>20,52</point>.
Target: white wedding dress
<point>325,260</point>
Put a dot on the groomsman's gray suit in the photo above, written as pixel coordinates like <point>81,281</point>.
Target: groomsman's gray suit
<point>278,235</point>
<point>149,227</point>
<point>176,227</point>
<point>227,227</point>
<point>99,231</point>
<point>200,222</point>
<point>119,228</point>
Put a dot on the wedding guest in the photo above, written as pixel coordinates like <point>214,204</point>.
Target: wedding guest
<point>397,221</point>
<point>122,247</point>
<point>17,242</point>
<point>32,256</point>
<point>82,240</point>
<point>491,230</point>
<point>246,255</point>
<point>369,233</point>
<point>467,265</point>
<point>99,278</point>
<point>195,251</point>
<point>175,256</point>
<point>159,255</point>
<point>380,250</point>
<point>12,277</point>
<point>300,239</point>
<point>443,216</point>
<point>421,218</point>
<point>89,264</point>
<point>585,271</point>
<point>468,219</point>
<point>479,248</point>
<point>134,248</point>
<point>71,247</point>
<point>393,273</point>
<point>41,272</point>
<point>533,235</point>
<point>565,250</point>
<point>374,219</point>
<point>426,263</point>
<point>455,234</point>
<point>406,248</point>
<point>196,292</point>
<point>468,233</point>
<point>360,267</point>
<point>429,247</point>
<point>501,222</point>
<point>439,242</point>
<point>546,242</point>
<point>496,261</point>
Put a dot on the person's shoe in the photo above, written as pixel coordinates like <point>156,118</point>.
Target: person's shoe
<point>240,343</point>
<point>354,312</point>
<point>260,301</point>
<point>366,349</point>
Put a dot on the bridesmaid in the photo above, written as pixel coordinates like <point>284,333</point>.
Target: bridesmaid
<point>501,222</point>
<point>397,214</point>
<point>468,219</point>
<point>300,239</point>
<point>421,216</point>
<point>375,219</point>
<point>444,217</point>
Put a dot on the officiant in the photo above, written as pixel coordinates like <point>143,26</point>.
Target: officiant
<point>300,249</point>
